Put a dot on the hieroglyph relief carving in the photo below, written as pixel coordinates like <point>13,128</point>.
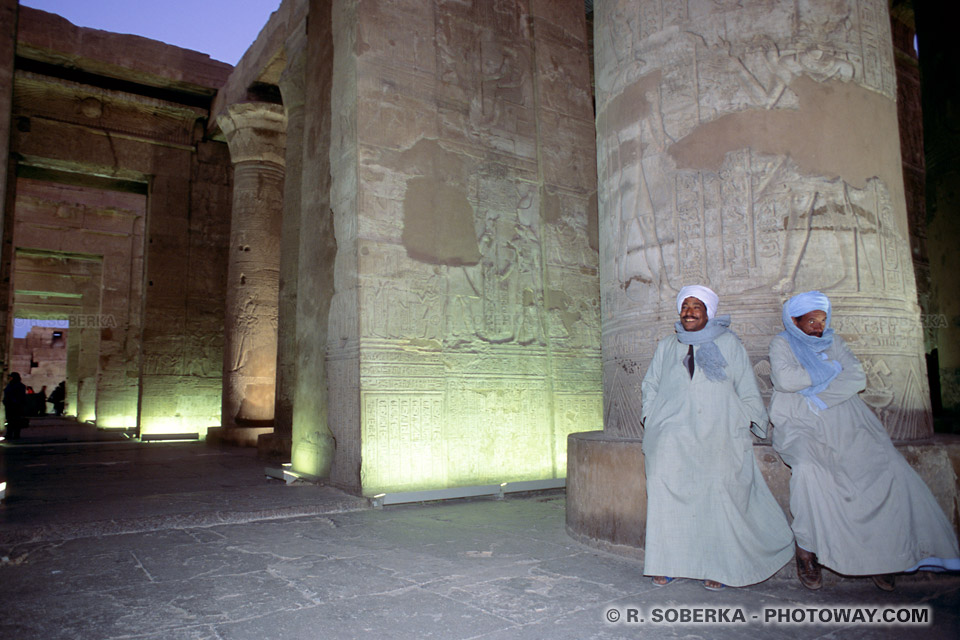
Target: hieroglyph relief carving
<point>739,146</point>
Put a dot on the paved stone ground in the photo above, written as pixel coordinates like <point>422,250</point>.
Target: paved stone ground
<point>182,541</point>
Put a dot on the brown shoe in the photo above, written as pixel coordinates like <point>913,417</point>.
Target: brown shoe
<point>885,582</point>
<point>808,569</point>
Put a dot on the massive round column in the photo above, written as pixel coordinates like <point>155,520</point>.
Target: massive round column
<point>753,147</point>
<point>255,134</point>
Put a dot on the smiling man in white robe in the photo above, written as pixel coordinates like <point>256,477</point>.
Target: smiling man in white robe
<point>858,508</point>
<point>710,515</point>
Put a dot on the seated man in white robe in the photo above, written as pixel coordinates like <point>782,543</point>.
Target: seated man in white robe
<point>710,514</point>
<point>858,508</point>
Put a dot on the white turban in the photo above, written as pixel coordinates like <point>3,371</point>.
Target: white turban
<point>709,299</point>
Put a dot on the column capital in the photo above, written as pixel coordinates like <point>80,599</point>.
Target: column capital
<point>255,132</point>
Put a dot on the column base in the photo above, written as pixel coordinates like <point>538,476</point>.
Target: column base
<point>274,447</point>
<point>607,499</point>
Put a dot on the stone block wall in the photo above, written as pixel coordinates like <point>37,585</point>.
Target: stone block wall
<point>124,120</point>
<point>464,326</point>
<point>183,306</point>
<point>88,243</point>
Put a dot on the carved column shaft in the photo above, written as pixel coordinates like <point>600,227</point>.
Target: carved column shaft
<point>292,89</point>
<point>256,137</point>
<point>753,147</point>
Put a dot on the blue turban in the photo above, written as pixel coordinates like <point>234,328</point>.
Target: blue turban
<point>809,350</point>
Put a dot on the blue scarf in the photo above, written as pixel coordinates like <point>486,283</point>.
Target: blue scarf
<point>708,357</point>
<point>809,350</point>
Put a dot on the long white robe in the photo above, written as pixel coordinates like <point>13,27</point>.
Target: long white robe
<point>855,501</point>
<point>710,514</point>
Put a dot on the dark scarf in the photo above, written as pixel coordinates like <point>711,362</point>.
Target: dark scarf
<point>708,356</point>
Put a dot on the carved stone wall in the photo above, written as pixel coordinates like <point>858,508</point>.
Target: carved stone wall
<point>100,233</point>
<point>465,324</point>
<point>752,147</point>
<point>164,268</point>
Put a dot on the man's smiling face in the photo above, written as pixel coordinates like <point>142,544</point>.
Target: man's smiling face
<point>693,314</point>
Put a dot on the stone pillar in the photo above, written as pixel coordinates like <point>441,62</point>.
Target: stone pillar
<point>292,80</point>
<point>464,326</point>
<point>8,45</point>
<point>255,134</point>
<point>910,118</point>
<point>72,378</point>
<point>88,339</point>
<point>313,446</point>
<point>753,147</point>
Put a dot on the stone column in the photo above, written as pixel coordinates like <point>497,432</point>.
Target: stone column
<point>255,134</point>
<point>88,340</point>
<point>8,44</point>
<point>292,80</point>
<point>313,446</point>
<point>753,147</point>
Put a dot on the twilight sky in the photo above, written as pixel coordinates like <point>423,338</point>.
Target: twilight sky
<point>223,29</point>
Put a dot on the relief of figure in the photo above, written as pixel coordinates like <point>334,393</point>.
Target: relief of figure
<point>463,313</point>
<point>526,245</point>
<point>501,299</point>
<point>878,394</point>
<point>840,222</point>
<point>503,80</point>
<point>498,286</point>
<point>641,189</point>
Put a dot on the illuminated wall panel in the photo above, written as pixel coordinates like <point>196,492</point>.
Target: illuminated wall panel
<point>466,307</point>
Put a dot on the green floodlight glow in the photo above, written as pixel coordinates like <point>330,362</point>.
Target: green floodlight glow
<point>309,459</point>
<point>49,294</point>
<point>410,443</point>
<point>167,425</point>
<point>117,422</point>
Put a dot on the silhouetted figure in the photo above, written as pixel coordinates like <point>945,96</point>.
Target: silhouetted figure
<point>58,397</point>
<point>15,404</point>
<point>32,407</point>
<point>42,401</point>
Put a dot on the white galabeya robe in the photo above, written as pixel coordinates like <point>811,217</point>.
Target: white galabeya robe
<point>855,501</point>
<point>710,514</point>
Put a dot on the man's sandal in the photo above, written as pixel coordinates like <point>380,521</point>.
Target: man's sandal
<point>713,585</point>
<point>665,581</point>
<point>808,569</point>
<point>885,582</point>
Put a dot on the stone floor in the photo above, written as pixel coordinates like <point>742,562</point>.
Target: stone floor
<point>119,539</point>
